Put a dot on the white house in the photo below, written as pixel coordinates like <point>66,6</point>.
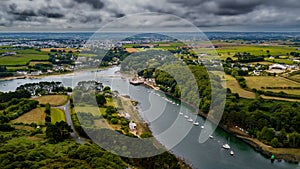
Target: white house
<point>132,125</point>
<point>126,116</point>
<point>277,66</point>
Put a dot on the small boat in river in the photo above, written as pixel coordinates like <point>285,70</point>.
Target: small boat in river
<point>226,146</point>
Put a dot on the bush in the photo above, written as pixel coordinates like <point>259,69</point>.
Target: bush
<point>114,121</point>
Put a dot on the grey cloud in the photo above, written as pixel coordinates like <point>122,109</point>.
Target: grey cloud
<point>97,4</point>
<point>236,7</point>
<point>82,14</point>
<point>50,14</point>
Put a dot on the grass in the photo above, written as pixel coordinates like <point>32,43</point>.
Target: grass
<point>33,63</point>
<point>233,85</point>
<point>96,111</point>
<point>229,50</point>
<point>21,59</point>
<point>295,78</point>
<point>57,115</point>
<point>262,63</point>
<point>65,49</point>
<point>15,68</point>
<point>131,50</point>
<point>280,98</point>
<point>36,115</point>
<point>89,109</point>
<point>269,81</point>
<point>294,92</point>
<point>53,100</point>
<point>282,61</point>
<point>257,50</point>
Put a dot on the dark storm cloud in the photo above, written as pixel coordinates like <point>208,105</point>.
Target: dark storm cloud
<point>81,14</point>
<point>220,7</point>
<point>97,4</point>
<point>234,7</point>
<point>27,14</point>
<point>50,14</point>
<point>119,15</point>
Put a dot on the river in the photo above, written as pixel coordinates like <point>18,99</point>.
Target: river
<point>154,104</point>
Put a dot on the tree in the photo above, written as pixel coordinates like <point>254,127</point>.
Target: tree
<point>274,142</point>
<point>48,119</point>
<point>110,110</point>
<point>106,88</point>
<point>267,134</point>
<point>100,98</point>
<point>58,132</point>
<point>53,133</point>
<point>47,109</point>
<point>294,139</point>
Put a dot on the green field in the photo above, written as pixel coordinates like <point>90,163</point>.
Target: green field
<point>89,109</point>
<point>21,59</point>
<point>269,81</point>
<point>282,61</point>
<point>233,85</point>
<point>95,110</point>
<point>294,92</point>
<point>23,56</point>
<point>16,68</point>
<point>33,63</point>
<point>257,50</point>
<point>87,55</point>
<point>295,78</point>
<point>57,115</point>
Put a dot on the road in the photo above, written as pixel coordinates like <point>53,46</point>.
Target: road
<point>74,134</point>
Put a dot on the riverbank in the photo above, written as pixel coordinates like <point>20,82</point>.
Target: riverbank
<point>53,74</point>
<point>290,155</point>
<point>130,106</point>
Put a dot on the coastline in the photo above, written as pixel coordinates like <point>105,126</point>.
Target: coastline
<point>257,145</point>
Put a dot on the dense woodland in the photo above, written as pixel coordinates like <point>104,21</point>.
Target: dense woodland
<point>276,123</point>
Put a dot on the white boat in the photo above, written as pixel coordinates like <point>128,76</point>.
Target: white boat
<point>190,120</point>
<point>196,123</point>
<point>186,116</point>
<point>202,127</point>
<point>226,146</point>
<point>231,153</point>
<point>210,136</point>
<point>180,113</point>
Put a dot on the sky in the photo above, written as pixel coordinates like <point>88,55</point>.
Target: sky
<point>207,15</point>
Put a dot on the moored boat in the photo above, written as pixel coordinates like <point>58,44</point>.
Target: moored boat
<point>226,146</point>
<point>196,123</point>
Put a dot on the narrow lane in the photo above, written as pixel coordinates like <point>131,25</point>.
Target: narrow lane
<point>66,109</point>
